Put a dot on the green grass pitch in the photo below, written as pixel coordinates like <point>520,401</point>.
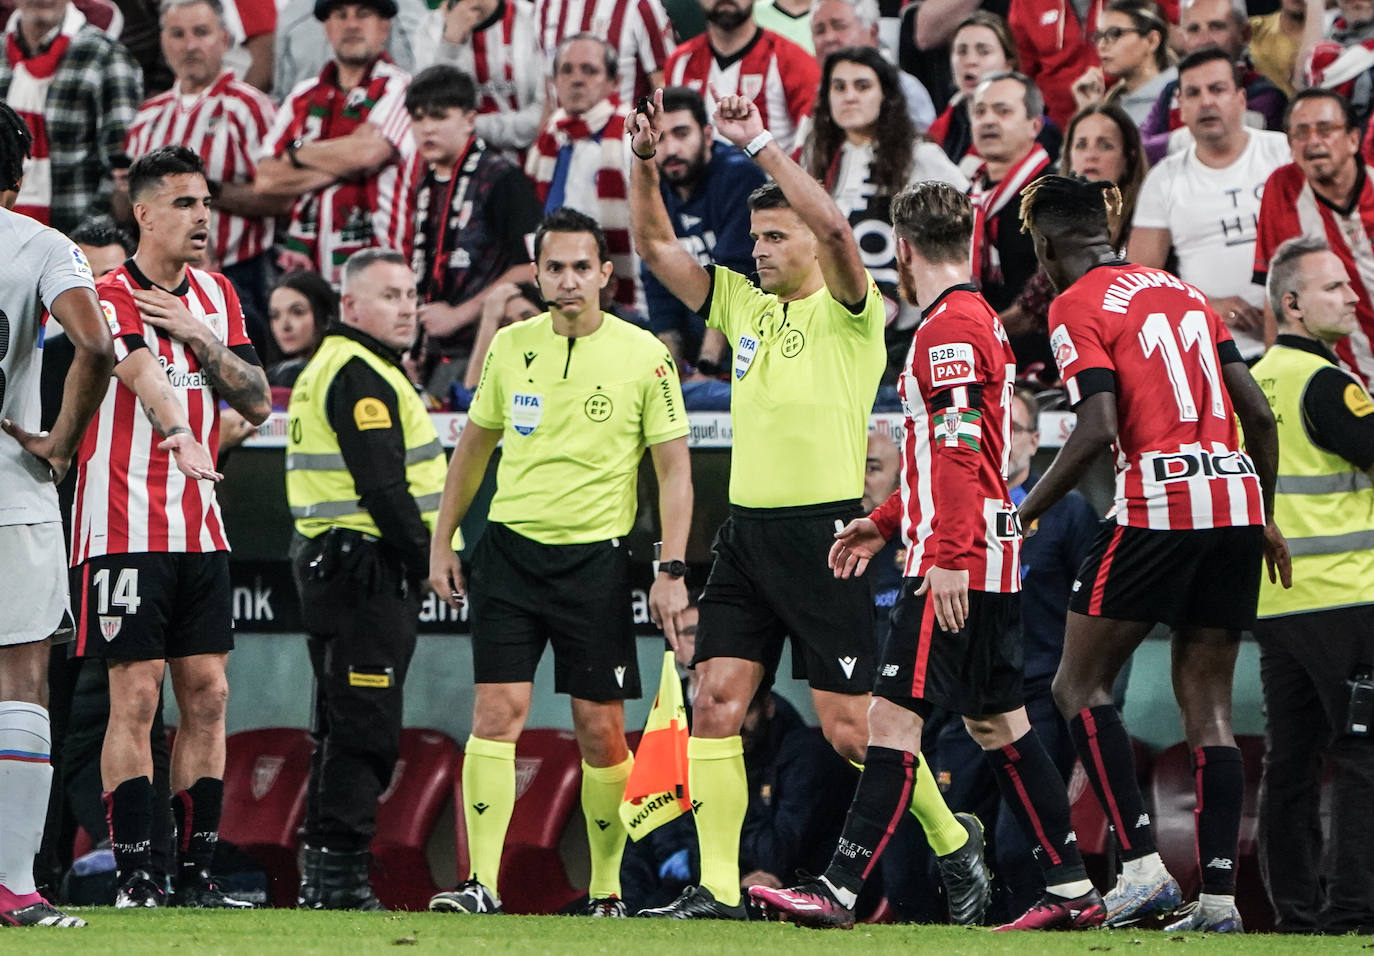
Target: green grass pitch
<point>270,932</point>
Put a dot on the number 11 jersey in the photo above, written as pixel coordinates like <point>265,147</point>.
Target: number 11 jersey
<point>1152,340</point>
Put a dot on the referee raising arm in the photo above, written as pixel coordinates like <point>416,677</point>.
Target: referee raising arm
<point>575,395</point>
<point>809,351</point>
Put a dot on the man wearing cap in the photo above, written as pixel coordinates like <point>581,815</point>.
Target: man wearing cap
<point>339,144</point>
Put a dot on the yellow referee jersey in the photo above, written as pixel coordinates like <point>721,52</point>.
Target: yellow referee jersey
<point>802,389</point>
<point>575,416</point>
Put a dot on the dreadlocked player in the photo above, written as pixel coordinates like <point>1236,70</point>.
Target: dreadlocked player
<point>950,645</point>
<point>41,270</point>
<point>1150,367</point>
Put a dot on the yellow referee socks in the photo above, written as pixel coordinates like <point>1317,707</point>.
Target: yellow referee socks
<point>603,790</point>
<point>944,833</point>
<point>715,777</point>
<point>488,801</point>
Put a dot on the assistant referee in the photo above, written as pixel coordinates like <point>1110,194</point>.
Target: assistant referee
<point>364,470</point>
<point>576,395</point>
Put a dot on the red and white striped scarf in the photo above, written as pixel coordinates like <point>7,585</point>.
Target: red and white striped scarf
<point>28,96</point>
<point>604,122</point>
<point>988,200</point>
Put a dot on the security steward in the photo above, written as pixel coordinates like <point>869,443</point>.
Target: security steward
<point>364,472</point>
<point>575,395</point>
<point>1317,638</point>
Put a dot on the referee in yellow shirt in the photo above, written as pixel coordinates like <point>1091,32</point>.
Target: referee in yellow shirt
<point>575,395</point>
<point>808,346</point>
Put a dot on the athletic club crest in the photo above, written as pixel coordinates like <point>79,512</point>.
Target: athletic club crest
<point>952,420</point>
<point>110,626</point>
<point>265,773</point>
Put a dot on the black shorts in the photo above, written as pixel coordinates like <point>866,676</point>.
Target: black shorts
<point>974,672</point>
<point>1203,578</point>
<point>154,606</point>
<point>770,581</point>
<point>523,594</point>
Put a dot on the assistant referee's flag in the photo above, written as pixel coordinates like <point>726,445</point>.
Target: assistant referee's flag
<point>657,789</point>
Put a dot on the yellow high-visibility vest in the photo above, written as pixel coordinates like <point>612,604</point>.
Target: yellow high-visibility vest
<point>1324,505</point>
<point>319,488</point>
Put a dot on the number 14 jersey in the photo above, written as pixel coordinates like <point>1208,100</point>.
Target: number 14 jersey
<point>1152,340</point>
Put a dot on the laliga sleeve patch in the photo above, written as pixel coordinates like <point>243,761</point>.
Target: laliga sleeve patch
<point>370,413</point>
<point>81,264</point>
<point>951,364</point>
<point>1357,400</point>
<point>111,316</point>
<point>1065,354</point>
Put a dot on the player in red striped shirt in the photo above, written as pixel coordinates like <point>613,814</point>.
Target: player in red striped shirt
<point>1152,371</point>
<point>951,645</point>
<point>737,57</point>
<point>151,560</point>
<point>638,30</point>
<point>224,122</point>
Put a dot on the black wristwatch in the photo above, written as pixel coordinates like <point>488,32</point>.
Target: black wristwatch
<point>291,148</point>
<point>674,569</point>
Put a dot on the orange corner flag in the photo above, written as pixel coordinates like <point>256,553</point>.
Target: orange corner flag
<point>657,789</point>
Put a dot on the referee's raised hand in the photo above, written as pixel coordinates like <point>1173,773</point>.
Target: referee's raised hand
<point>643,127</point>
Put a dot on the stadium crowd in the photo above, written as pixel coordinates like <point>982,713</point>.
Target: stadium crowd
<point>358,212</point>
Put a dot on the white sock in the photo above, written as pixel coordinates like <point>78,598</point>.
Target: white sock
<point>1148,869</point>
<point>845,897</point>
<point>1070,890</point>
<point>1214,904</point>
<point>25,779</point>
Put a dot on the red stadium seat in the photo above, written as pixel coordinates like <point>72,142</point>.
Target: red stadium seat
<point>548,785</point>
<point>265,775</point>
<point>406,813</point>
<point>1175,802</point>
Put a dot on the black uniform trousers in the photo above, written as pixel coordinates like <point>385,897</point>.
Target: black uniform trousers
<point>361,611</point>
<point>1305,663</point>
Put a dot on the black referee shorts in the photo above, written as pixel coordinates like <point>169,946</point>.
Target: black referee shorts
<point>1203,578</point>
<point>770,581</point>
<point>153,606</point>
<point>524,594</point>
<point>974,672</point>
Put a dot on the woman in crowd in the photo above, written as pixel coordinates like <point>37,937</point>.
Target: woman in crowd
<point>1132,41</point>
<point>982,45</point>
<point>859,95</point>
<point>301,307</point>
<point>1101,143</point>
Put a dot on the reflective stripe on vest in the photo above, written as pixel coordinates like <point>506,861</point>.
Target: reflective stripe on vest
<point>1324,505</point>
<point>319,489</point>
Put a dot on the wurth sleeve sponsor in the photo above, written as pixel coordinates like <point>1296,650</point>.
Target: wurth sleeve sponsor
<point>664,415</point>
